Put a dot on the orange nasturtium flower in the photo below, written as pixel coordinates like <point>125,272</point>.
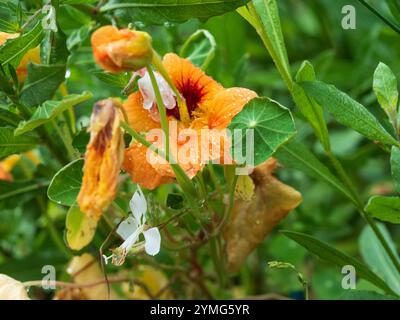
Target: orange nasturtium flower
<point>210,106</point>
<point>103,159</point>
<point>121,50</point>
<point>33,55</point>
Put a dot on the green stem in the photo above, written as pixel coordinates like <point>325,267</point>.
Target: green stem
<point>67,145</point>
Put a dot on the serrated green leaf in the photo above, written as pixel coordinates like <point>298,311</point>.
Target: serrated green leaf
<point>384,208</point>
<point>49,110</point>
<point>13,50</point>
<point>375,256</point>
<point>271,123</point>
<point>41,84</point>
<point>385,87</point>
<point>332,255</point>
<point>161,11</point>
<point>298,156</point>
<point>348,111</point>
<point>80,229</point>
<point>199,48</point>
<point>395,166</point>
<point>66,183</point>
<point>10,144</point>
<point>311,110</point>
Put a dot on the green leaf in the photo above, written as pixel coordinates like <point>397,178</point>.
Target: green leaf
<point>66,183</point>
<point>365,295</point>
<point>348,111</point>
<point>49,110</point>
<point>8,17</point>
<point>80,229</point>
<point>268,13</point>
<point>311,110</point>
<point>118,80</point>
<point>13,50</point>
<point>271,123</point>
<point>81,140</point>
<point>384,208</point>
<point>175,201</point>
<point>77,37</point>
<point>16,193</point>
<point>8,118</point>
<point>395,166</point>
<point>54,48</point>
<point>9,144</point>
<point>330,254</point>
<point>199,48</point>
<point>42,83</point>
<point>376,257</point>
<point>298,156</point>
<point>161,11</point>
<point>385,87</point>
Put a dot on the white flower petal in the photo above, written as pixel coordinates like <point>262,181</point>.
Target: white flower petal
<point>127,227</point>
<point>152,241</point>
<point>131,240</point>
<point>138,205</point>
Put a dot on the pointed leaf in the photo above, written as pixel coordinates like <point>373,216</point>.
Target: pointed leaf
<point>161,11</point>
<point>395,166</point>
<point>330,254</point>
<point>42,83</point>
<point>10,144</point>
<point>348,111</point>
<point>49,110</point>
<point>385,87</point>
<point>384,208</point>
<point>13,50</point>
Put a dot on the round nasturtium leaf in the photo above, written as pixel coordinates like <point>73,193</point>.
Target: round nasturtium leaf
<point>80,228</point>
<point>66,183</point>
<point>271,125</point>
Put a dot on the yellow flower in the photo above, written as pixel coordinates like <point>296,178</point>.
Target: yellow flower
<point>103,159</point>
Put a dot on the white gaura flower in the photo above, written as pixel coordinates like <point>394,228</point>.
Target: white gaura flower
<point>132,227</point>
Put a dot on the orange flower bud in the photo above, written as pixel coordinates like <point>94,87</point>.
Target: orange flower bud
<point>121,50</point>
<point>33,55</point>
<point>103,159</point>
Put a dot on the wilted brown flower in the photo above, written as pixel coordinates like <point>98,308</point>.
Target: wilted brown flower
<point>103,159</point>
<point>251,221</point>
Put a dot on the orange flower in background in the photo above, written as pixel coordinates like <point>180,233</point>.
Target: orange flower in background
<point>103,159</point>
<point>7,164</point>
<point>33,55</point>
<point>209,105</point>
<point>121,50</point>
